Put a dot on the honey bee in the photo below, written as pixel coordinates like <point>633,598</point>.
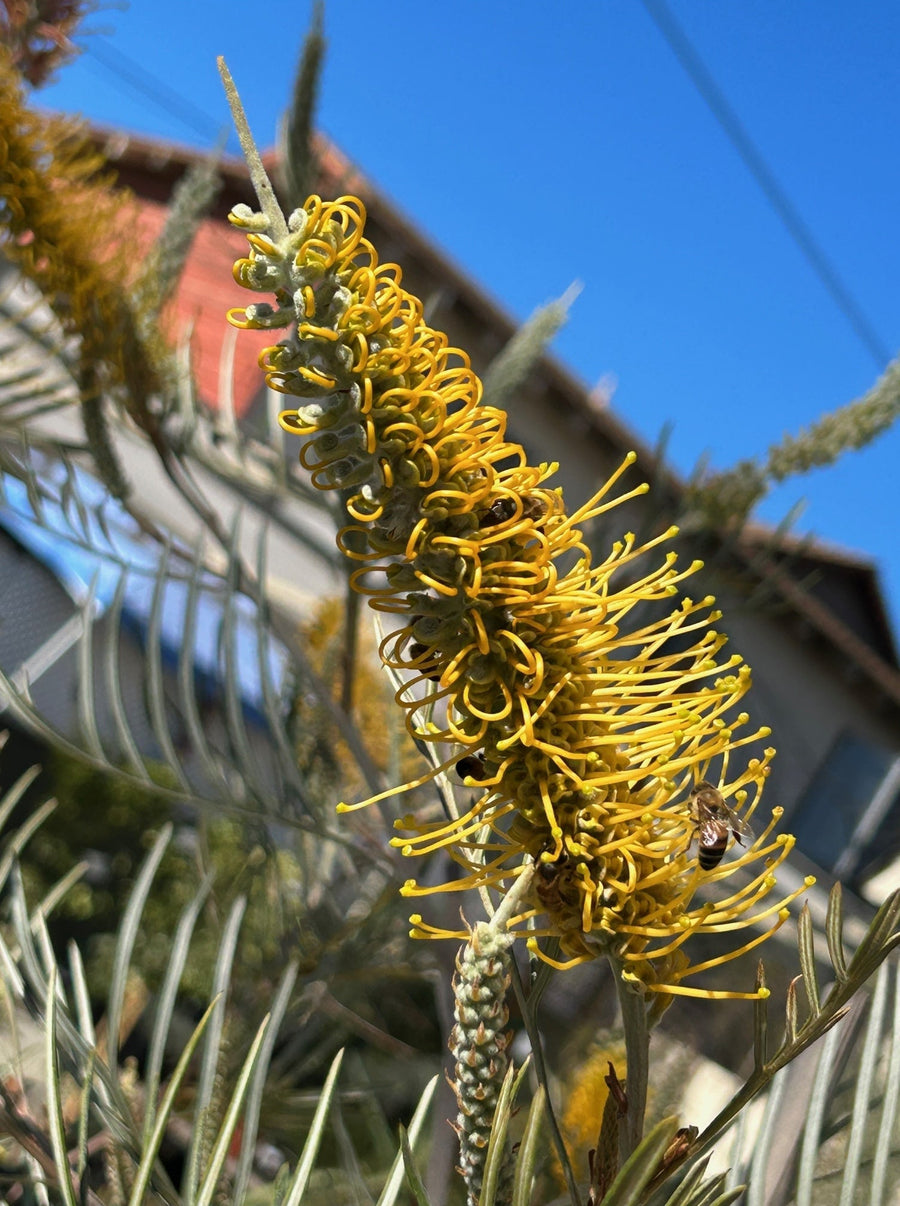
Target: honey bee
<point>500,510</point>
<point>472,767</point>
<point>547,885</point>
<point>503,509</point>
<point>533,508</point>
<point>713,820</point>
<point>416,651</point>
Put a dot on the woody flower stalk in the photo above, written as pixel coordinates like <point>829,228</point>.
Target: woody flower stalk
<point>588,704</point>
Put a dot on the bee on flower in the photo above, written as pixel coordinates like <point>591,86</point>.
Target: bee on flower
<point>586,730</point>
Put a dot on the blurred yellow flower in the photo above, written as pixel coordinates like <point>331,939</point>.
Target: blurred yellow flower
<point>587,703</point>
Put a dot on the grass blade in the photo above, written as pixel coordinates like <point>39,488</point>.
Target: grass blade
<point>763,1145</point>
<point>314,1138</point>
<point>808,959</point>
<point>497,1153</point>
<point>818,1101</point>
<point>889,1106</point>
<point>258,1084</point>
<point>155,690</point>
<point>641,1166</point>
<point>114,684</point>
<point>150,1150</point>
<point>55,1122</point>
<point>232,1116</point>
<point>388,1195</point>
<point>212,1044</point>
<point>165,1005</point>
<point>834,932</point>
<point>186,677</point>
<point>125,941</point>
<point>87,719</point>
<point>526,1158</point>
<point>760,1022</point>
<point>413,1176</point>
<point>865,1078</point>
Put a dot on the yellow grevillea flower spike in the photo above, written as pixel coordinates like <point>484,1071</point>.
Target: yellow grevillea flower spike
<point>590,704</point>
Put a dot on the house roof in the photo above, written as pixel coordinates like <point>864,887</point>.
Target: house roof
<point>834,593</point>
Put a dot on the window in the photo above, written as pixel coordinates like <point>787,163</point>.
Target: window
<point>850,799</point>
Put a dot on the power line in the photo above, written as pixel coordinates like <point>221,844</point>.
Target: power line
<point>795,225</point>
<point>129,72</point>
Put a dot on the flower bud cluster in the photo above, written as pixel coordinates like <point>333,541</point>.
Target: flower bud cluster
<point>478,1043</point>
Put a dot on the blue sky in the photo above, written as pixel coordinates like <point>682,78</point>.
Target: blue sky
<point>540,144</point>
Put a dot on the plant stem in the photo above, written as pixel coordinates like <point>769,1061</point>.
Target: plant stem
<point>637,1055</point>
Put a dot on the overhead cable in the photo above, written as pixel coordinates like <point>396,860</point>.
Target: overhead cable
<point>793,222</point>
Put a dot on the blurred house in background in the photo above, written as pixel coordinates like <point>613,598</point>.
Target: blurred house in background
<point>808,618</point>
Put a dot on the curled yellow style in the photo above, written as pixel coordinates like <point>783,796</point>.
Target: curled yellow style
<point>586,702</point>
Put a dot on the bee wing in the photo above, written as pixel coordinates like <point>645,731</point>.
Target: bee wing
<point>740,828</point>
<point>709,832</point>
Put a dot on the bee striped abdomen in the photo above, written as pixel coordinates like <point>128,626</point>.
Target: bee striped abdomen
<point>712,842</point>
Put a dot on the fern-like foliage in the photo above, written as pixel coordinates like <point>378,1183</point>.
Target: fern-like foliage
<point>83,1126</point>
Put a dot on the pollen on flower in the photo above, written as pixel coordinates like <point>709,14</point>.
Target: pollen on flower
<point>588,703</point>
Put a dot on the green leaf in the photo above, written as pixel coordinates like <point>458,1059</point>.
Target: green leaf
<point>763,1144</point>
<point>641,1166</point>
<point>126,938</point>
<point>526,1157</point>
<point>84,1110</point>
<point>819,1097</point>
<point>865,1085</point>
<point>210,1181</point>
<point>683,1195</point>
<point>14,794</point>
<point>891,1097</point>
<point>54,1101</point>
<point>834,931</point>
<point>497,1151</point>
<point>760,1023</point>
<point>258,1083</point>
<point>151,1148</point>
<point>790,1011</point>
<point>236,728</point>
<point>413,1176</point>
<point>709,1190</point>
<point>165,1002</point>
<point>87,712</point>
<point>17,843</point>
<point>212,1046</point>
<point>114,685</point>
<point>807,953</point>
<point>314,1138</point>
<point>155,688</point>
<point>60,889</point>
<point>730,1195</point>
<point>392,1186</point>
